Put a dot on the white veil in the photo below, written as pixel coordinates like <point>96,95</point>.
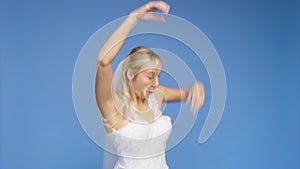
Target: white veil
<point>109,159</point>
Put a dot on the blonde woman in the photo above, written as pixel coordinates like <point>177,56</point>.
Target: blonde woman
<point>131,115</point>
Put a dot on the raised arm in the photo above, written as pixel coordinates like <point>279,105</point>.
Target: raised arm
<point>105,58</point>
<point>113,45</point>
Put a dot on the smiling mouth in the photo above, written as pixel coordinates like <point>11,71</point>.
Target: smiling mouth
<point>149,91</point>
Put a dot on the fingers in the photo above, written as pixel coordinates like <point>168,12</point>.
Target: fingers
<point>152,6</point>
<point>157,18</point>
<point>160,5</point>
<point>146,12</point>
<point>197,96</point>
<point>202,96</point>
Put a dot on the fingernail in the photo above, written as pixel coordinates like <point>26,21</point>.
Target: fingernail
<point>168,9</point>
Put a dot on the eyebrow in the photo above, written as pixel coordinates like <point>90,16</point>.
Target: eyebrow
<point>153,73</point>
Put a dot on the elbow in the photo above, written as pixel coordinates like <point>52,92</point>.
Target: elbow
<point>106,59</point>
<point>103,62</point>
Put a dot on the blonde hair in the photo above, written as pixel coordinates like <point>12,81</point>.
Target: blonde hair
<point>135,60</point>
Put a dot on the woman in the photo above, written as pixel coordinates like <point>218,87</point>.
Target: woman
<point>131,115</point>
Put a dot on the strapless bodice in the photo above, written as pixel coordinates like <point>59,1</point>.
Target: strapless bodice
<point>142,145</point>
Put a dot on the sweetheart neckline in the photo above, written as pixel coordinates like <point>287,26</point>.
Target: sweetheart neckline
<point>131,123</point>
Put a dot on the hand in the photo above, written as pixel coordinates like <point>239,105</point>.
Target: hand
<point>146,12</point>
<point>196,96</point>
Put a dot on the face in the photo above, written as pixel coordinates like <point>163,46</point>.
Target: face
<point>145,82</point>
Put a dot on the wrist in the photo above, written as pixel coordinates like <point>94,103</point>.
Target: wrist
<point>186,93</point>
<point>133,16</point>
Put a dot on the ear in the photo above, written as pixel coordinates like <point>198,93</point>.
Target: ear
<point>129,74</point>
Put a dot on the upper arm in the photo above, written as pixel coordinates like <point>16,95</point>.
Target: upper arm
<point>103,86</point>
<point>173,94</point>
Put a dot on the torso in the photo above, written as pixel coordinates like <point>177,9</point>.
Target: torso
<point>141,143</point>
<point>117,121</point>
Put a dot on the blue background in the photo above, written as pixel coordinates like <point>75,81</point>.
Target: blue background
<point>258,43</point>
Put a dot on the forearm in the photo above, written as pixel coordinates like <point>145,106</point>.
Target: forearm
<point>173,94</point>
<point>185,93</point>
<point>115,42</point>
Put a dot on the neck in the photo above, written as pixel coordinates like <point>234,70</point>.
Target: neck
<point>135,99</point>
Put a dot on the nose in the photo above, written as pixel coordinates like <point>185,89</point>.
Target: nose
<point>156,82</point>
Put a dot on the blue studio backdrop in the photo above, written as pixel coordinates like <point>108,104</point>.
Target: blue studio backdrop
<point>258,44</point>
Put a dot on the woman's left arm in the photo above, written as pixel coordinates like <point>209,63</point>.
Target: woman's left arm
<point>194,95</point>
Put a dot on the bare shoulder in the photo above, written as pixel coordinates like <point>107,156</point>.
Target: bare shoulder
<point>111,114</point>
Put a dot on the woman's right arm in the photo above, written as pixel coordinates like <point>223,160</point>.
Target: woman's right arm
<point>113,45</point>
<point>105,57</point>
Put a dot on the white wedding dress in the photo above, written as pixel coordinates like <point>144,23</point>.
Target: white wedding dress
<point>142,145</point>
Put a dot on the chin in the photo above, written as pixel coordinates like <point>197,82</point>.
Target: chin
<point>146,95</point>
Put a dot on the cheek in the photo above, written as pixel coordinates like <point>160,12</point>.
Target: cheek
<point>141,83</point>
